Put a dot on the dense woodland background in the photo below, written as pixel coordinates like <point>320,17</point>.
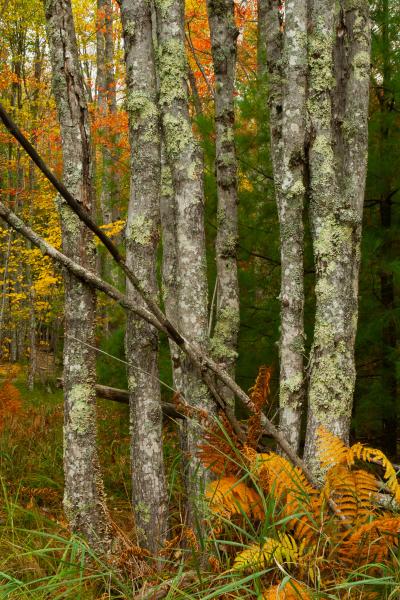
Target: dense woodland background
<point>134,106</point>
<point>31,318</point>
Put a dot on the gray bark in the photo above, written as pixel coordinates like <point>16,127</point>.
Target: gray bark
<point>224,34</point>
<point>287,48</point>
<point>186,170</point>
<point>107,105</point>
<point>106,101</point>
<point>84,499</point>
<point>142,237</point>
<point>169,262</point>
<point>339,59</point>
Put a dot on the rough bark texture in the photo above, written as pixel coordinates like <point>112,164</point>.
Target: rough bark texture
<point>223,34</point>
<point>287,49</point>
<point>84,500</point>
<point>142,237</point>
<point>339,58</point>
<point>185,164</point>
<point>107,105</point>
<point>170,262</point>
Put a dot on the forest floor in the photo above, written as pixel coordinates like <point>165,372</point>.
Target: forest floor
<point>40,560</point>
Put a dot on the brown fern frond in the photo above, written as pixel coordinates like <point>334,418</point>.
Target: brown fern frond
<point>258,395</point>
<point>228,496</point>
<point>372,455</point>
<point>10,401</point>
<point>219,451</point>
<point>352,492</point>
<point>293,590</point>
<point>372,542</point>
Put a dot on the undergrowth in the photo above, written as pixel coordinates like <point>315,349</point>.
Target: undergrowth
<point>269,533</point>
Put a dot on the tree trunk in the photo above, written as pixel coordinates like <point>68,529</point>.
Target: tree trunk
<point>287,49</point>
<point>223,34</point>
<point>387,281</point>
<point>142,237</point>
<point>169,262</point>
<point>339,58</point>
<point>186,171</point>
<point>84,498</point>
<point>107,105</point>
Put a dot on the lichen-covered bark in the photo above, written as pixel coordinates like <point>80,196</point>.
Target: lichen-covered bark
<point>339,50</point>
<point>223,34</point>
<point>84,499</point>
<point>170,262</point>
<point>186,171</point>
<point>287,60</point>
<point>142,237</point>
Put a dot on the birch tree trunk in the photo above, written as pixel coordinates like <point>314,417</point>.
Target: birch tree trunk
<point>224,34</point>
<point>339,60</point>
<point>106,100</point>
<point>287,50</point>
<point>186,172</point>
<point>84,499</point>
<point>107,105</point>
<point>170,262</point>
<point>142,237</point>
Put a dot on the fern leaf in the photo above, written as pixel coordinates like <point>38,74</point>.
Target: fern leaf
<point>334,452</point>
<point>293,590</point>
<point>372,542</point>
<point>290,489</point>
<point>282,550</point>
<point>372,455</point>
<point>220,451</point>
<point>228,496</point>
<point>258,395</point>
<point>352,492</point>
<point>331,449</point>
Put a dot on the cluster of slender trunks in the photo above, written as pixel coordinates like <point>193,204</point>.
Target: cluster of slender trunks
<point>317,67</point>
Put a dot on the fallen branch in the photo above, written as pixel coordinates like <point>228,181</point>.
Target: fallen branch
<point>122,397</point>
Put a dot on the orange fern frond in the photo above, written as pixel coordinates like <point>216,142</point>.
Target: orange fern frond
<point>10,401</point>
<point>352,492</point>
<point>291,491</point>
<point>334,452</point>
<point>293,590</point>
<point>228,496</point>
<point>372,542</point>
<point>219,451</point>
<point>260,390</point>
<point>331,449</point>
<point>258,395</point>
<point>372,455</point>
